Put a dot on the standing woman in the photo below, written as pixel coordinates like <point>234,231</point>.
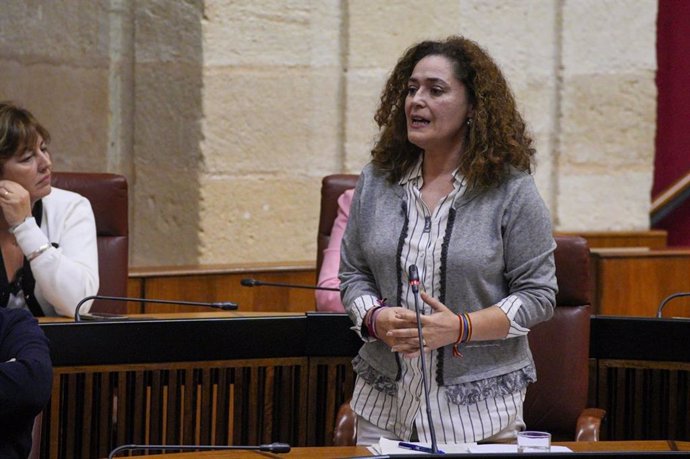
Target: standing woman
<point>47,235</point>
<point>448,190</point>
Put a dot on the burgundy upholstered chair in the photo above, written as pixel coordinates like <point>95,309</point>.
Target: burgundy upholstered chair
<point>557,402</point>
<point>108,196</point>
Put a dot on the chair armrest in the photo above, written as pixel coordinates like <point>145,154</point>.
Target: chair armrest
<point>345,430</point>
<point>589,424</point>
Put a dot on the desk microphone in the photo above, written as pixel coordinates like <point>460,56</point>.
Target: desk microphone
<point>413,279</point>
<point>227,306</point>
<point>660,309</point>
<point>270,448</point>
<point>256,283</point>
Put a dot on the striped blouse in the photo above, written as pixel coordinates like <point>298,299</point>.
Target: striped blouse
<point>455,421</point>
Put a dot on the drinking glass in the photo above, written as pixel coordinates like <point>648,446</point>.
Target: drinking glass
<point>531,441</point>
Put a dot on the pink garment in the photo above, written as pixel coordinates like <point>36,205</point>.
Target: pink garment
<point>328,277</point>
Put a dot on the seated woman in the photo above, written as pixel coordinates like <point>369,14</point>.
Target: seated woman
<point>47,235</point>
<point>328,276</point>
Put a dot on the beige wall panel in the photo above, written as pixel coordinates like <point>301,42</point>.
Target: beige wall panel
<point>272,33</point>
<point>604,200</point>
<point>380,31</point>
<point>609,119</point>
<point>259,219</point>
<point>168,126</point>
<point>520,35</point>
<point>271,122</point>
<point>71,102</point>
<point>536,101</point>
<point>272,126</point>
<point>168,31</point>
<point>363,88</point>
<point>164,229</point>
<point>610,36</point>
<point>165,211</point>
<point>55,31</point>
<point>608,115</point>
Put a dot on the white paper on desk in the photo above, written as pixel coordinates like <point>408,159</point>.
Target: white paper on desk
<point>507,448</point>
<point>386,446</point>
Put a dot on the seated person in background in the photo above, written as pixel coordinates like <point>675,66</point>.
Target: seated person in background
<point>26,377</point>
<point>328,276</point>
<point>47,236</point>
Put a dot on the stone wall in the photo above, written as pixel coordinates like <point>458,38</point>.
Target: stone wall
<point>224,115</point>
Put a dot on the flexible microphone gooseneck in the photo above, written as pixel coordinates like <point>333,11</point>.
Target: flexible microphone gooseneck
<point>226,306</point>
<point>414,283</point>
<point>660,309</point>
<point>256,283</point>
<point>270,448</point>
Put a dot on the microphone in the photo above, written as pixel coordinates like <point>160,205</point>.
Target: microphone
<point>227,306</point>
<point>413,278</point>
<point>256,283</point>
<point>270,448</point>
<point>660,309</point>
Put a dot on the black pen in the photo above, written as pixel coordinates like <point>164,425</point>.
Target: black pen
<point>420,448</point>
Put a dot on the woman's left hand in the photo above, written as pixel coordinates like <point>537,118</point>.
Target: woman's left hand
<point>439,329</point>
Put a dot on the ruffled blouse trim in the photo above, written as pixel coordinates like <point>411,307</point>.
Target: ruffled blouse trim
<point>476,391</point>
<point>374,378</point>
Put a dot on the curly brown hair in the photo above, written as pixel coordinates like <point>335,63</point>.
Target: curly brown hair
<point>497,137</point>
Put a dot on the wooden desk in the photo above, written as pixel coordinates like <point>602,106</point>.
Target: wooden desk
<point>202,378</point>
<point>211,283</point>
<point>251,378</point>
<point>633,281</point>
<point>352,451</point>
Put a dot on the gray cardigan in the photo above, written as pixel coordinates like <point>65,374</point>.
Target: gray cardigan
<point>498,242</point>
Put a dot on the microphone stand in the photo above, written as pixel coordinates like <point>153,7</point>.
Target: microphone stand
<point>257,283</point>
<point>660,309</point>
<point>414,283</point>
<point>271,448</point>
<point>227,306</point>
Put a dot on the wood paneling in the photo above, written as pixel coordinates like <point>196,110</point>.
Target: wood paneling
<point>214,283</point>
<point>215,403</point>
<point>653,239</point>
<point>645,400</point>
<point>261,378</point>
<point>633,282</point>
<point>331,380</point>
<point>229,378</point>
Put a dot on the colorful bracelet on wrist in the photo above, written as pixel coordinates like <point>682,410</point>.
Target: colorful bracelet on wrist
<point>464,333</point>
<point>371,321</point>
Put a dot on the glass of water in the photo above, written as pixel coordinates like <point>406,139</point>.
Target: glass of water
<point>531,441</point>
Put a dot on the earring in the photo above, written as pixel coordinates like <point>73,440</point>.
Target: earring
<point>469,121</point>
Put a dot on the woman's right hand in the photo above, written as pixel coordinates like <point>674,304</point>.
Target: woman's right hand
<point>388,319</point>
<point>15,202</point>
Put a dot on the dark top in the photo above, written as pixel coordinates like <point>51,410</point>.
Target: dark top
<point>26,376</point>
